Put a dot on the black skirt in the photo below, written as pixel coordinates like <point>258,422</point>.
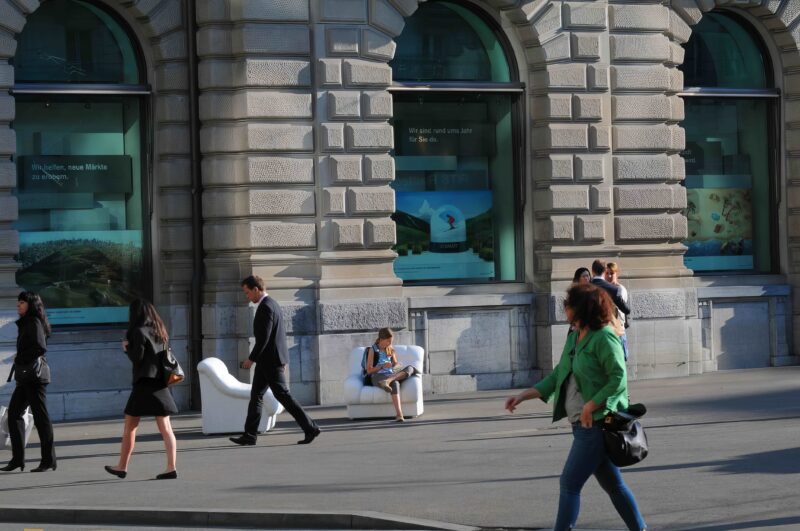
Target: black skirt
<point>150,398</point>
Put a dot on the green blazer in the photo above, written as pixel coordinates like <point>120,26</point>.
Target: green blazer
<point>599,368</point>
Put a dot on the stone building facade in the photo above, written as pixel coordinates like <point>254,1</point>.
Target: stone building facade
<point>296,156</point>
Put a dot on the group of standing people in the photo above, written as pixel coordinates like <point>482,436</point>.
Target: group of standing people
<point>589,382</point>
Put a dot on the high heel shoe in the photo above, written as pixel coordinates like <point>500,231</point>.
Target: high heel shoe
<point>114,472</point>
<point>13,466</point>
<point>168,475</point>
<point>43,467</point>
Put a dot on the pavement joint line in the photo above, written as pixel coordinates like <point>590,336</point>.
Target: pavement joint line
<point>255,519</point>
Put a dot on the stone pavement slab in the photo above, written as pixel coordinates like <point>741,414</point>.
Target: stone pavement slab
<point>725,454</point>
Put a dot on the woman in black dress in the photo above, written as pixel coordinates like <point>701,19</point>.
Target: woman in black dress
<point>34,329</point>
<point>150,396</point>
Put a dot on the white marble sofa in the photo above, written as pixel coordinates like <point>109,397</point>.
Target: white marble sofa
<point>225,400</point>
<point>366,401</point>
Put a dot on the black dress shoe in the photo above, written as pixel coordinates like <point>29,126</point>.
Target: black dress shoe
<point>13,466</point>
<point>44,466</point>
<point>114,472</point>
<point>168,475</point>
<point>310,436</point>
<point>244,440</point>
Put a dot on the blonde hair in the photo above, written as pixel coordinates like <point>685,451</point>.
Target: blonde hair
<point>613,267</point>
<point>385,333</point>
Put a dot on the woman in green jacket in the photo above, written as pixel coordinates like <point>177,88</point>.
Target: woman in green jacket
<point>588,382</point>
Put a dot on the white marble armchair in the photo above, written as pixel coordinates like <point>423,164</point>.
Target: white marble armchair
<point>225,400</point>
<point>366,401</point>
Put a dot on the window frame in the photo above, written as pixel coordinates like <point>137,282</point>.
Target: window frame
<point>773,94</point>
<point>99,92</point>
<point>516,89</point>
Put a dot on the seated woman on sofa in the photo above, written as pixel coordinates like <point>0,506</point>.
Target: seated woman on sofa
<point>382,368</point>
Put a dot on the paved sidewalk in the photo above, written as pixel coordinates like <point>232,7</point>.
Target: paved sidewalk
<point>725,454</point>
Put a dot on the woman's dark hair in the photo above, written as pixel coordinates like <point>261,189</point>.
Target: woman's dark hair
<point>35,308</point>
<point>142,314</point>
<point>591,306</point>
<point>579,273</point>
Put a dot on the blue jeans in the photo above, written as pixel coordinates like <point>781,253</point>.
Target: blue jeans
<point>586,457</point>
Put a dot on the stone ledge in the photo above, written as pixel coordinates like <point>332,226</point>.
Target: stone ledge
<point>368,314</point>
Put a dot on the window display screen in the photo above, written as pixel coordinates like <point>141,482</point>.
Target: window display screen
<point>80,202</point>
<point>727,181</point>
<point>454,187</point>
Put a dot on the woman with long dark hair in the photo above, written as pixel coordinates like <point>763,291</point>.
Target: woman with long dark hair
<point>32,375</point>
<point>588,383</point>
<point>150,396</point>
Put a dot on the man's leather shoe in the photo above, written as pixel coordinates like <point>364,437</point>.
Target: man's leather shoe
<point>310,436</point>
<point>244,440</point>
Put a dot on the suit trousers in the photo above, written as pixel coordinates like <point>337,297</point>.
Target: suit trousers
<point>273,378</point>
<point>33,395</point>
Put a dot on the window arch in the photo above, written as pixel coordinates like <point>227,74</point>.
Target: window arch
<point>457,124</point>
<point>731,176</point>
<point>79,124</point>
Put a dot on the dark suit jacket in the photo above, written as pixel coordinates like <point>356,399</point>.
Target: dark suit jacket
<point>142,350</point>
<point>614,292</point>
<point>268,328</point>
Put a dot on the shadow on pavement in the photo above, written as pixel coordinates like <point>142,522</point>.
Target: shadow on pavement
<point>774,462</point>
<point>753,524</point>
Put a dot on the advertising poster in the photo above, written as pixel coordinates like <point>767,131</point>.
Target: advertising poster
<point>720,229</point>
<point>443,235</point>
<point>83,276</point>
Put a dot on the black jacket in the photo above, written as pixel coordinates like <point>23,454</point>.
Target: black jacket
<point>142,350</point>
<point>31,340</point>
<point>614,292</point>
<point>268,328</point>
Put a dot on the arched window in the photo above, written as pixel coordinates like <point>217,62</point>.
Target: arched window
<point>458,141</point>
<point>79,129</point>
<point>731,176</point>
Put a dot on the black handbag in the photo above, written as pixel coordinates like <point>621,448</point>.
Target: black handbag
<point>624,436</point>
<point>171,371</point>
<point>36,371</point>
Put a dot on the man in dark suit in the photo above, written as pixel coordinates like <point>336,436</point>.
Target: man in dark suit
<point>598,270</point>
<point>271,357</point>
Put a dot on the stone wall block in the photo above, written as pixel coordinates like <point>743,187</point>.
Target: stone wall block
<point>331,136</point>
<point>563,198</point>
<point>361,314</point>
<point>281,203</point>
<point>8,44</point>
<point>642,138</point>
<point>688,10</point>
<point>554,168</point>
<point>6,75</point>
<point>644,197</point>
<point>8,208</point>
<point>678,28</point>
<point>242,169</point>
<point>171,47</point>
<point>598,78</point>
<point>655,48</point>
<point>174,172</point>
<point>385,17</point>
<point>405,7</point>
<point>283,235</point>
<point>8,141</point>
<point>177,203</point>
<point>377,45</point>
<point>560,228</point>
<point>536,27</point>
<point>591,228</point>
<point>587,106</point>
<point>600,137</point>
<point>378,168</point>
<point>655,78</point>
<point>585,46</point>
<point>269,104</point>
<point>177,238</point>
<point>600,198</point>
<point>676,53</point>
<point>289,39</point>
<point>377,105</point>
<point>371,200</point>
<point>27,6</point>
<point>168,17</point>
<point>553,107</point>
<point>10,17</point>
<point>381,232</point>
<point>677,109</point>
<point>559,77</point>
<point>144,7</point>
<point>9,242</point>
<point>632,17</point>
<point>344,104</point>
<point>348,233</point>
<point>677,138</point>
<point>358,72</point>
<point>330,71</point>
<point>369,137</point>
<point>584,15</point>
<point>345,168</point>
<point>589,168</point>
<point>8,174</point>
<point>642,168</point>
<point>561,136</point>
<point>172,76</point>
<point>227,11</point>
<point>7,108</point>
<point>676,80</point>
<point>333,201</point>
<point>256,136</point>
<point>553,50</point>
<point>658,227</point>
<point>343,10</point>
<point>652,108</point>
<point>677,167</point>
<point>342,41</point>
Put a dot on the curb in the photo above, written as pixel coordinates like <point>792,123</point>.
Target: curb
<point>142,516</point>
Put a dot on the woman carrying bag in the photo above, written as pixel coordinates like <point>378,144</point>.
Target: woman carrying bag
<point>589,382</point>
<point>32,375</point>
<point>150,396</point>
